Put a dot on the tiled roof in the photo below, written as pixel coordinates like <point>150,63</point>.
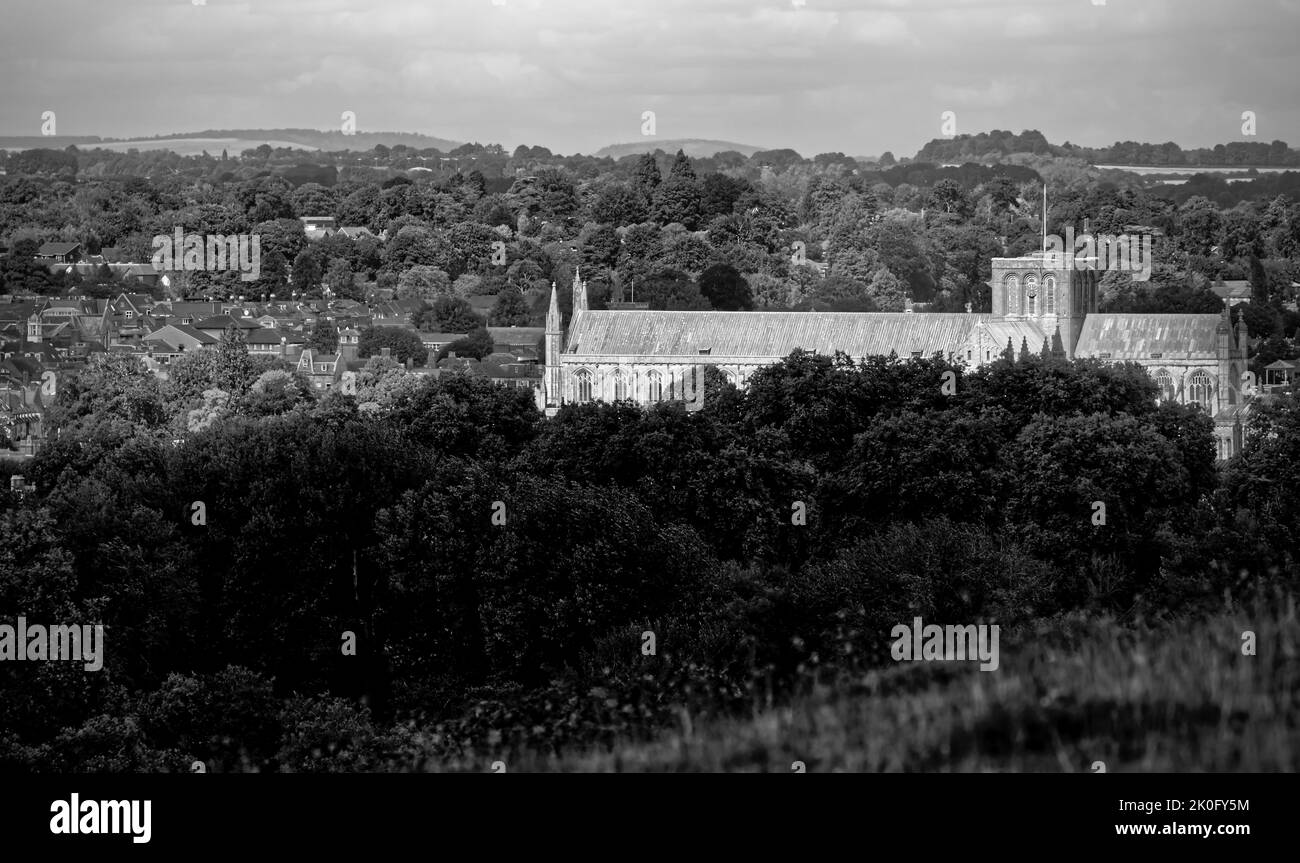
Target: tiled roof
<point>767,334</point>
<point>57,248</point>
<point>1019,332</point>
<point>268,336</point>
<point>1137,337</point>
<point>220,322</point>
<point>1232,288</point>
<point>516,335</point>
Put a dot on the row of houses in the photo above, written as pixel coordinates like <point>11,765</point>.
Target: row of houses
<point>40,334</point>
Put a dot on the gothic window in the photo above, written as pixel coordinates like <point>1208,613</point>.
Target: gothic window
<point>620,385</point>
<point>729,377</point>
<point>1012,290</point>
<point>654,386</point>
<point>1049,295</point>
<point>583,379</point>
<point>1199,389</point>
<point>1165,385</point>
<point>1031,295</point>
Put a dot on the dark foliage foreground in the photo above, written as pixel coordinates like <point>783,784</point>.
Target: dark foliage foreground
<point>769,542</point>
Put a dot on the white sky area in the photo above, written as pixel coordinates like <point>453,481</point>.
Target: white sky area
<point>813,75</point>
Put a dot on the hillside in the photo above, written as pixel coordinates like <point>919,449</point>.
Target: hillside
<point>235,141</point>
<point>696,148</point>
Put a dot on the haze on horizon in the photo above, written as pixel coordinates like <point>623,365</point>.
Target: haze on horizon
<point>813,75</point>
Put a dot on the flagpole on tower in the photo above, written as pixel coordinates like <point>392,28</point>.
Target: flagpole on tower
<point>1044,219</point>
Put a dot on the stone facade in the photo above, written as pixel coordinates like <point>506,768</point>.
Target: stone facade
<point>1038,304</point>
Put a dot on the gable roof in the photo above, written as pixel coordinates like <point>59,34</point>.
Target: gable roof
<point>1137,337</point>
<point>57,248</point>
<point>771,335</point>
<point>221,322</point>
<point>1232,289</point>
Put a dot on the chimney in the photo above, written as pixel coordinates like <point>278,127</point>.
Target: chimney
<point>386,353</point>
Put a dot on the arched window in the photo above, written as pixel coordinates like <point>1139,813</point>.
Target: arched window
<point>583,379</point>
<point>1165,385</point>
<point>654,386</point>
<point>1049,295</point>
<point>1199,389</point>
<point>728,377</point>
<point>620,385</point>
<point>1011,287</point>
<point>1031,295</point>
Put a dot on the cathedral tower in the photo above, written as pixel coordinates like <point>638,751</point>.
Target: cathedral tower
<point>554,345</point>
<point>1049,292</point>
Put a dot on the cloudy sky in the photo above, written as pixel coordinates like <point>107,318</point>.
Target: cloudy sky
<point>857,76</point>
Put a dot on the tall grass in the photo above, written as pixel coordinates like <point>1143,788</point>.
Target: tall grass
<point>1177,695</point>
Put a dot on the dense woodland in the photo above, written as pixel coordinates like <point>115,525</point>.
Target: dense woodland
<point>770,540</point>
<point>650,226</point>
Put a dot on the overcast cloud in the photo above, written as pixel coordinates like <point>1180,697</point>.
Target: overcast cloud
<point>826,75</point>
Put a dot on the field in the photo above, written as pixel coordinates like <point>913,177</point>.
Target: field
<point>1177,696</point>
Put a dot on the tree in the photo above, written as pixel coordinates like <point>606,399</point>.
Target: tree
<point>113,390</point>
<point>323,338</point>
<point>619,204</point>
<point>726,288</point>
<point>678,198</point>
<point>476,345</point>
<point>837,294</point>
<point>510,310</point>
<point>339,278</point>
<point>306,274</point>
<point>646,178</point>
<point>403,344</point>
<point>234,369</point>
<point>422,282</point>
<point>448,314</point>
<point>671,290</point>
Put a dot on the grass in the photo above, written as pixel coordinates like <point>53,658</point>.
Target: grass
<point>1172,696</point>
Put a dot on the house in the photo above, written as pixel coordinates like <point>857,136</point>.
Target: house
<point>182,312</point>
<point>1232,291</point>
<point>59,253</point>
<point>356,232</point>
<point>437,341</point>
<point>516,340</point>
<point>500,369</point>
<point>323,370</point>
<point>318,227</point>
<point>274,342</point>
<point>1281,374</point>
<point>172,340</point>
<point>216,325</point>
<point>22,413</point>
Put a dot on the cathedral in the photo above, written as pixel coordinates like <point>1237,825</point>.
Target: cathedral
<point>649,356</point>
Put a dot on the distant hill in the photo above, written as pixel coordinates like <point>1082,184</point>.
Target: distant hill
<point>696,148</point>
<point>987,147</point>
<point>235,141</point>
